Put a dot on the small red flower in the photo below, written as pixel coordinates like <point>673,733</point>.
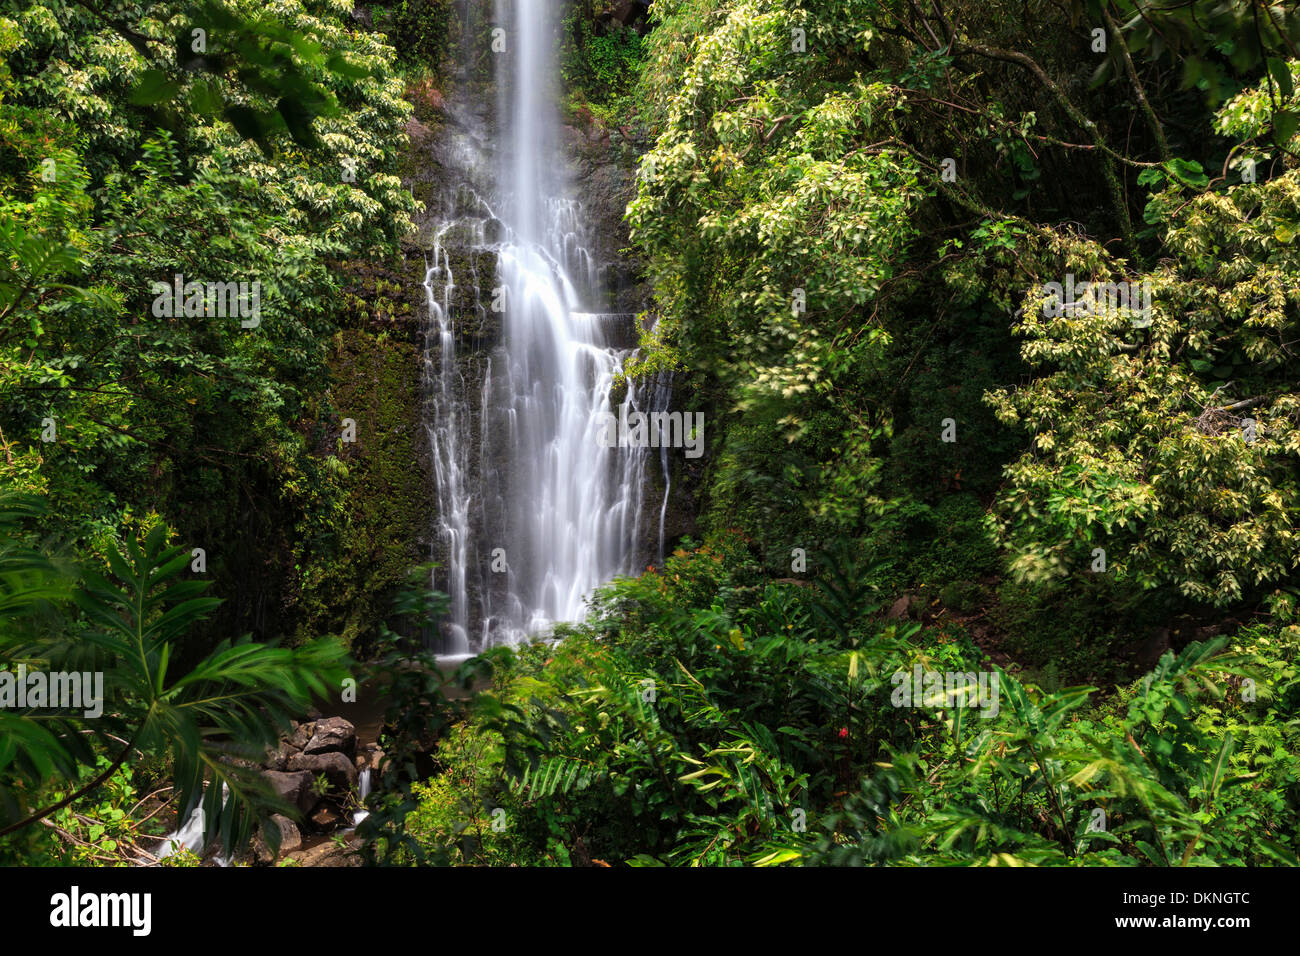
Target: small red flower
<point>844,732</point>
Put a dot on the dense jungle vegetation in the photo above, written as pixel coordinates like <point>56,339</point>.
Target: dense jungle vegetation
<point>859,220</point>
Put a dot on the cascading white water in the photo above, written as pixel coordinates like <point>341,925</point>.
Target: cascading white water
<point>363,791</point>
<point>193,834</point>
<point>534,511</point>
<point>450,436</point>
<point>561,509</point>
<point>189,836</point>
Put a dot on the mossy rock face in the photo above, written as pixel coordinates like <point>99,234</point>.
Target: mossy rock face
<point>679,517</point>
<point>685,485</point>
<point>348,569</point>
<point>383,297</point>
<point>418,166</point>
<point>427,100</point>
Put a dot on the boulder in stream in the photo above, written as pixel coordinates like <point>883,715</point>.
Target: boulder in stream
<point>294,787</point>
<point>336,766</point>
<point>332,735</point>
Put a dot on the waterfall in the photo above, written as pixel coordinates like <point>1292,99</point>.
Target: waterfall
<point>188,836</point>
<point>193,834</point>
<point>534,512</point>
<point>363,791</point>
<point>660,399</point>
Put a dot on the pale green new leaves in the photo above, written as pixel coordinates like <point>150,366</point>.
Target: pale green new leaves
<point>1174,448</point>
<point>772,205</point>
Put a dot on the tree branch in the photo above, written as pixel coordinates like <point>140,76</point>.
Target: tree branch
<point>76,794</point>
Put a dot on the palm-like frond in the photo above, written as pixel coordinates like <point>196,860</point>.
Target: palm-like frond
<point>231,705</point>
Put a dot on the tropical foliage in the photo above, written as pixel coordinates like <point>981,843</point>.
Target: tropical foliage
<point>210,720</point>
<point>860,219</point>
<point>697,720</point>
<point>992,308</point>
<point>160,452</point>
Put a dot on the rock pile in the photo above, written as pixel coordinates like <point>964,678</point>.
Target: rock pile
<point>315,769</point>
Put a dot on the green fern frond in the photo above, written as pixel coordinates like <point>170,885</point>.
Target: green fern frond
<point>547,778</point>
